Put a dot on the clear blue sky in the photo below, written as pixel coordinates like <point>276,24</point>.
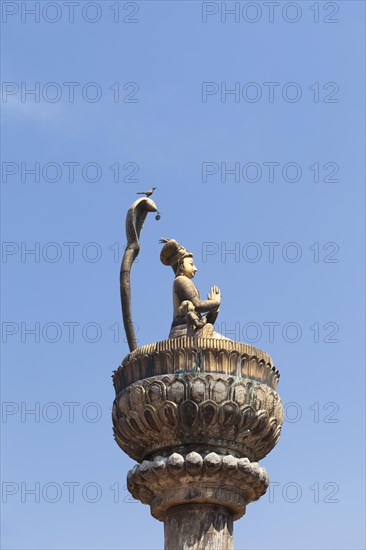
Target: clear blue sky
<point>143,89</point>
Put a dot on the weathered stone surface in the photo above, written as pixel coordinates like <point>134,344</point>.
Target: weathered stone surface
<point>161,414</point>
<point>195,355</point>
<point>226,481</point>
<point>198,527</point>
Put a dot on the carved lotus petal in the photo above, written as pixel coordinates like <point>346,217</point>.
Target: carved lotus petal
<point>270,403</point>
<point>156,358</point>
<point>278,412</point>
<point>261,423</point>
<point>168,413</point>
<point>123,431</point>
<point>180,360</point>
<point>261,396</point>
<point>123,405</point>
<point>114,413</point>
<point>271,442</point>
<point>208,412</point>
<point>198,390</point>
<point>152,418</point>
<point>176,391</point>
<point>243,434</point>
<point>209,359</point>
<point>244,365</point>
<point>239,394</point>
<point>189,412</point>
<point>136,398</point>
<point>261,370</point>
<point>272,427</point>
<point>134,422</point>
<point>228,414</point>
<point>253,367</point>
<point>249,416</point>
<point>222,360</point>
<point>220,391</point>
<point>143,365</point>
<point>167,360</point>
<point>233,362</point>
<point>156,392</point>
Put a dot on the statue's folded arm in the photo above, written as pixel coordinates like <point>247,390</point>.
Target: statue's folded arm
<point>186,290</point>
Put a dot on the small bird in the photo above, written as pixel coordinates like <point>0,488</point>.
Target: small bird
<point>147,193</point>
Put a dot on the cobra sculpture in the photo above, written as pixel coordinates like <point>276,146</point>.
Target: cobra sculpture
<point>135,219</point>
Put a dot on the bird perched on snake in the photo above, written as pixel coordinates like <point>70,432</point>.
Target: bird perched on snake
<point>147,193</point>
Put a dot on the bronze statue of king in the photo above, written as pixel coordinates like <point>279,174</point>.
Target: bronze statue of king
<point>188,308</point>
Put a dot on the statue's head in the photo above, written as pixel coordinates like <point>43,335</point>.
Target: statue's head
<point>178,258</point>
<point>185,266</point>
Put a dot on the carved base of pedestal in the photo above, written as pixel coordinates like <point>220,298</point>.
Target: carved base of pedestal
<point>225,481</point>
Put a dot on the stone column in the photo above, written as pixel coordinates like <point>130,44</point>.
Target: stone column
<point>197,415</point>
<point>199,526</point>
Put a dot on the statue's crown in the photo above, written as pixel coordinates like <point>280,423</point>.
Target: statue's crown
<point>172,252</point>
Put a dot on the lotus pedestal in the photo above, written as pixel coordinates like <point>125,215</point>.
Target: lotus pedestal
<point>197,415</point>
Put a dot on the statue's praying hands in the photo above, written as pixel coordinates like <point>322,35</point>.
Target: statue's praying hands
<point>214,294</point>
